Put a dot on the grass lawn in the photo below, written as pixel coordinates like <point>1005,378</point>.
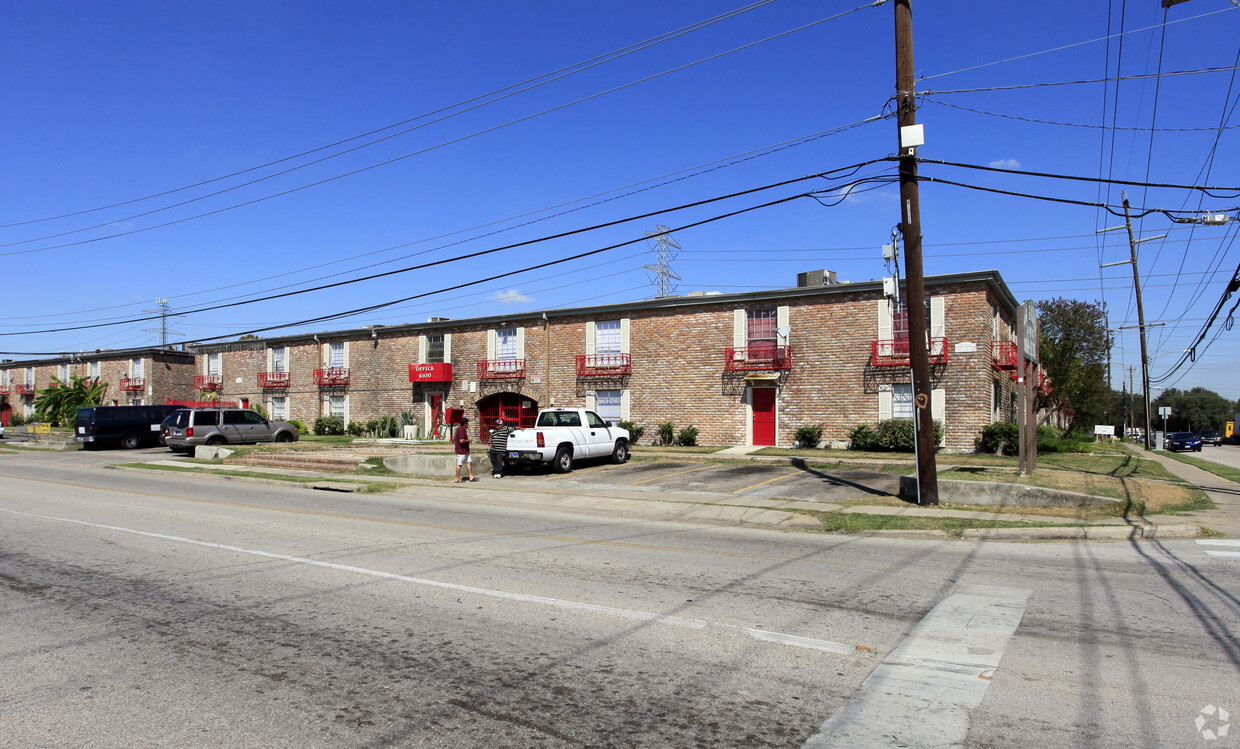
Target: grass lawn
<point>1218,469</point>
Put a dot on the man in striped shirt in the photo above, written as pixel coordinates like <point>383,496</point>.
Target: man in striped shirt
<point>498,446</point>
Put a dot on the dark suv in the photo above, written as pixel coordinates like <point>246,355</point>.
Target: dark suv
<point>189,427</point>
<point>127,426</point>
<point>1211,437</point>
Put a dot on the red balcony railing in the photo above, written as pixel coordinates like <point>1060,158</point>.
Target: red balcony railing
<point>333,377</point>
<point>133,384</point>
<point>23,389</point>
<point>1003,354</point>
<point>757,358</point>
<point>273,380</point>
<point>603,365</point>
<point>894,353</point>
<point>501,369</point>
<point>208,382</point>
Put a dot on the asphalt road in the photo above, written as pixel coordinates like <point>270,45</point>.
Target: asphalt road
<point>172,610</point>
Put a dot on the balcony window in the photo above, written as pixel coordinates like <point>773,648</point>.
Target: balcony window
<point>434,349</point>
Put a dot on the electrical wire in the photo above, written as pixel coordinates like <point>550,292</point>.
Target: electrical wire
<point>515,88</point>
<point>386,162</point>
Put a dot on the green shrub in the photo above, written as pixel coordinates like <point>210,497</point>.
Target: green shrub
<point>666,431</point>
<point>301,428</point>
<point>371,427</point>
<point>808,436</point>
<point>635,432</point>
<point>356,428</point>
<point>891,435</point>
<point>329,425</point>
<point>862,437</point>
<point>258,409</point>
<point>1004,432</point>
<point>16,419</point>
<point>687,436</point>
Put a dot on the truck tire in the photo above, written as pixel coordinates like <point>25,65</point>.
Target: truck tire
<point>216,440</point>
<point>563,461</point>
<point>284,437</point>
<point>620,454</point>
<point>129,441</point>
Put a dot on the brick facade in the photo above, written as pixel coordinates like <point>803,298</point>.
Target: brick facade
<point>165,374</point>
<point>678,373</point>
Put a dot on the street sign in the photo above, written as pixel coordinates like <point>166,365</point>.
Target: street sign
<point>1029,332</point>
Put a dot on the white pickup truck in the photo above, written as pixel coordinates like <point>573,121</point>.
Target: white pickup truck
<point>562,435</point>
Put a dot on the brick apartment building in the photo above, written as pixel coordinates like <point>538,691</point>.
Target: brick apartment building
<point>743,368</point>
<point>134,377</point>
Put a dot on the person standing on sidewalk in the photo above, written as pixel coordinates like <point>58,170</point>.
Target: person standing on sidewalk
<point>461,440</point>
<point>498,446</point>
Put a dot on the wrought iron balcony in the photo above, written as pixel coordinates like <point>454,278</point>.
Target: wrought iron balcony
<point>23,389</point>
<point>331,377</point>
<point>757,358</point>
<point>604,365</point>
<point>1003,354</point>
<point>208,382</point>
<point>501,369</point>
<point>895,352</point>
<point>133,384</point>
<point>273,380</point>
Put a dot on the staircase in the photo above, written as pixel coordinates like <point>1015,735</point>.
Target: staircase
<point>344,459</point>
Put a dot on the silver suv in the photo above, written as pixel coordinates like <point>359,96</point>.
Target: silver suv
<point>219,426</point>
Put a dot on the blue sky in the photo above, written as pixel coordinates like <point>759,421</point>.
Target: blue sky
<point>156,150</point>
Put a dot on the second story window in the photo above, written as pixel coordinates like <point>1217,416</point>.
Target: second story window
<point>505,343</point>
<point>93,370</point>
<point>135,368</point>
<point>62,372</point>
<point>434,349</point>
<point>29,375</point>
<point>213,364</point>
<point>607,337</point>
<point>336,360</point>
<point>762,325</point>
<point>278,362</point>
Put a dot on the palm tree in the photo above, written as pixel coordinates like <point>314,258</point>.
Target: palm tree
<point>60,402</point>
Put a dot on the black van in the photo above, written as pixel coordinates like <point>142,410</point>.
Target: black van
<point>127,426</point>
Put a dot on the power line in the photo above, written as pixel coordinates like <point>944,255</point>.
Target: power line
<point>515,88</point>
<point>386,162</point>
<point>481,253</point>
<point>1050,84</point>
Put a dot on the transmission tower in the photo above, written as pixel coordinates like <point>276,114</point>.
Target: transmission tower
<point>664,250</point>
<point>164,313</point>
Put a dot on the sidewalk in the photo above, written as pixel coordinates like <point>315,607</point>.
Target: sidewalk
<point>1225,494</point>
<point>775,513</point>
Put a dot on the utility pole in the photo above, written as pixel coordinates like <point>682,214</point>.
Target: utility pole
<point>910,228</point>
<point>1136,284</point>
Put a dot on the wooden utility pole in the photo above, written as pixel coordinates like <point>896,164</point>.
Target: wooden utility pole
<point>910,228</point>
<point>1136,285</point>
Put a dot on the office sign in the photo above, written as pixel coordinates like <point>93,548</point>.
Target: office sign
<point>438,372</point>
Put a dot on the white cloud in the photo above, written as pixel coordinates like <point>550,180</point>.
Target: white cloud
<point>512,296</point>
<point>1006,164</point>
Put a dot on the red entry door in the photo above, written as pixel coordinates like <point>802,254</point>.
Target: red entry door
<point>763,400</point>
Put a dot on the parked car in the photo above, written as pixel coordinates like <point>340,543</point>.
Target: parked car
<point>190,427</point>
<point>1211,437</point>
<point>562,435</point>
<point>1183,441</point>
<point>127,426</point>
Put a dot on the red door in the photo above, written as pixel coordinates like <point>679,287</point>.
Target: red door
<point>763,400</point>
<point>514,408</point>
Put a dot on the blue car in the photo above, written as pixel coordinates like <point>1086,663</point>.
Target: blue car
<point>1183,441</point>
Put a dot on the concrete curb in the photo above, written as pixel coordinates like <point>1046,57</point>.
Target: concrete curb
<point>1087,533</point>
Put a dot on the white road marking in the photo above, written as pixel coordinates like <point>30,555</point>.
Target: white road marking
<point>764,635</point>
<point>921,694</point>
<point>1219,542</point>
